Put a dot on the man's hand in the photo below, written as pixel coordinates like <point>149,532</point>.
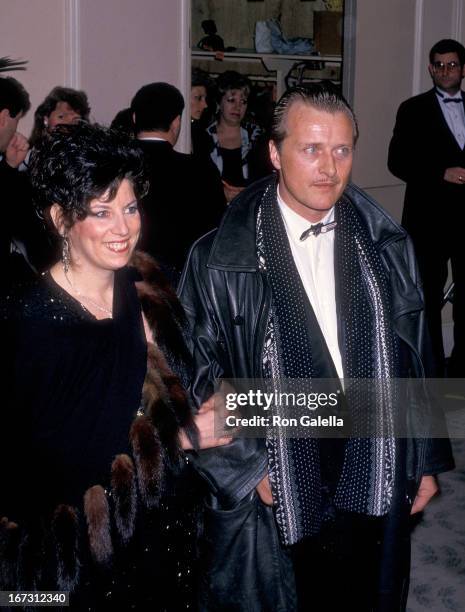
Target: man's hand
<point>264,491</point>
<point>455,175</point>
<point>16,150</point>
<point>205,421</point>
<point>428,488</point>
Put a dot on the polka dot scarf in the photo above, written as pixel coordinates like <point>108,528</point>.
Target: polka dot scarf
<point>311,477</point>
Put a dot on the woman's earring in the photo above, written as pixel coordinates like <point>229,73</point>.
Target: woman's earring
<point>46,122</point>
<point>65,256</point>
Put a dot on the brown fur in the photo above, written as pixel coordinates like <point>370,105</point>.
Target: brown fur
<point>65,525</point>
<point>98,524</point>
<point>148,455</point>
<point>164,396</point>
<point>123,482</point>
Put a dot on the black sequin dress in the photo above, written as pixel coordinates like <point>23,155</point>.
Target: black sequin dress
<point>73,386</point>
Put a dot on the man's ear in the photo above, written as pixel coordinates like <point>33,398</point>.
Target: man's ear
<point>56,215</point>
<point>176,124</point>
<point>274,156</point>
<point>430,70</point>
<point>175,128</point>
<point>4,115</point>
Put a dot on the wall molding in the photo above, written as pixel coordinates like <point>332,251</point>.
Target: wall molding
<point>418,59</point>
<point>184,142</point>
<point>72,43</point>
<point>457,20</point>
<point>349,50</point>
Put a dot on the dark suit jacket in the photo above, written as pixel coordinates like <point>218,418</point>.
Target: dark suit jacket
<point>421,149</point>
<point>185,200</point>
<point>21,229</point>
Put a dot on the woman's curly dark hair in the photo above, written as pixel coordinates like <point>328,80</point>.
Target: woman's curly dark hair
<point>75,98</point>
<point>75,164</point>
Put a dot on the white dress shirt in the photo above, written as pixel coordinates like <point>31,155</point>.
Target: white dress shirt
<point>454,114</point>
<point>314,259</point>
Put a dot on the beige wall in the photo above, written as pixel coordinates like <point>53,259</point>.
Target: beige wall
<point>124,45</point>
<point>383,77</point>
<point>109,48</point>
<point>34,31</point>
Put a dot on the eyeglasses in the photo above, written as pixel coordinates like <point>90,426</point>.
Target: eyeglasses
<point>449,66</point>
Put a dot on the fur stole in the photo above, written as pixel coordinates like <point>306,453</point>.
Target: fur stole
<point>136,480</point>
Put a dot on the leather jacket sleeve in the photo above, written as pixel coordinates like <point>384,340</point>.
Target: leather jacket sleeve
<point>426,455</point>
<point>232,471</point>
<point>412,329</point>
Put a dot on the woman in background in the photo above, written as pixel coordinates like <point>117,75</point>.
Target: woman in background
<point>62,106</point>
<point>99,498</point>
<point>237,146</point>
<point>200,86</point>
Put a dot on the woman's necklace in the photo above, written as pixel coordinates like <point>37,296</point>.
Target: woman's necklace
<point>107,311</point>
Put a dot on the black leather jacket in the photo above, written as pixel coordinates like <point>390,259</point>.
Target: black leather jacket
<point>227,298</point>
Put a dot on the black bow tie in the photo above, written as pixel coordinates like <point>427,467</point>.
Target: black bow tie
<point>447,99</point>
<point>319,228</point>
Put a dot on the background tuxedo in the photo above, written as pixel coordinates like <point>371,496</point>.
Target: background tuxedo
<point>421,149</point>
<point>185,200</point>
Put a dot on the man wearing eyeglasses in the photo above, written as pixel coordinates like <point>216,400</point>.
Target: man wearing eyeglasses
<point>427,152</point>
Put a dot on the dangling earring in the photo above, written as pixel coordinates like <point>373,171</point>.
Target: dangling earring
<point>65,256</point>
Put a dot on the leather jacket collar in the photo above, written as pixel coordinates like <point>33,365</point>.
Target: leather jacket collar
<point>234,244</point>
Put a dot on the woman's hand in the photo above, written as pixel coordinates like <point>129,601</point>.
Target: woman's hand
<point>205,421</point>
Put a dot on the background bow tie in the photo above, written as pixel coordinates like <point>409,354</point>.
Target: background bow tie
<point>447,100</point>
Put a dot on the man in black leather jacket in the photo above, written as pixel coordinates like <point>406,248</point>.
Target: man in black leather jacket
<point>340,556</point>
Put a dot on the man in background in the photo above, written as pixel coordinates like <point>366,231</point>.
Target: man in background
<point>427,152</point>
<point>19,231</point>
<point>185,199</point>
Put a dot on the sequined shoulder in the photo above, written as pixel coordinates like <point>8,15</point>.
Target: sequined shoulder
<point>42,300</point>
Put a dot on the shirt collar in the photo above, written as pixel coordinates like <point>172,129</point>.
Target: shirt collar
<point>442,95</point>
<point>295,224</point>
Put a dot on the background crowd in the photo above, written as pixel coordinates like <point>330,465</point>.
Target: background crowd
<point>103,499</point>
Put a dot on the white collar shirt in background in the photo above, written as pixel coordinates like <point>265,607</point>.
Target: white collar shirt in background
<point>454,114</point>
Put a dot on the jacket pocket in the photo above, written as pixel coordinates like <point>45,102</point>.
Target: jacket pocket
<point>243,567</point>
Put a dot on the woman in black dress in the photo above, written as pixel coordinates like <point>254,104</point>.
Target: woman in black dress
<point>98,497</point>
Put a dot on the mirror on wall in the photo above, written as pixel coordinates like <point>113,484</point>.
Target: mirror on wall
<point>276,43</point>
